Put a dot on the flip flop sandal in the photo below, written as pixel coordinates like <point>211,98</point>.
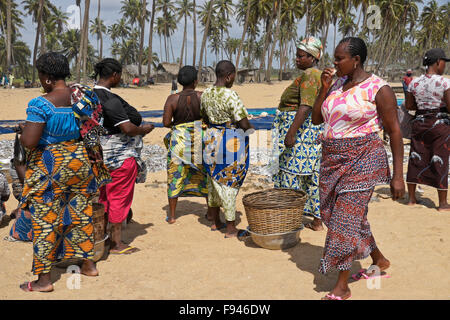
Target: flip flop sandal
<point>363,274</point>
<point>333,297</point>
<point>30,288</point>
<point>125,251</point>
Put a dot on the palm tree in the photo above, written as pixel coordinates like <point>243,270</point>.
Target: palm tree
<point>82,57</point>
<point>244,31</point>
<point>20,56</point>
<point>150,41</point>
<point>185,7</point>
<point>8,33</point>
<point>277,6</point>
<point>143,14</point>
<point>38,19</point>
<point>131,11</point>
<point>321,14</point>
<point>70,42</point>
<point>430,15</point>
<point>194,9</point>
<point>166,7</point>
<point>98,28</point>
<point>223,10</point>
<point>209,6</point>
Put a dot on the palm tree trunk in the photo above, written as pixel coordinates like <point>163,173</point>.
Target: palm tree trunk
<point>269,63</point>
<point>8,34</point>
<point>36,41</point>
<point>150,41</point>
<point>171,49</point>
<point>241,45</point>
<point>100,30</point>
<point>141,43</point>
<point>184,40</point>
<point>262,65</point>
<point>308,15</point>
<point>87,4</point>
<point>205,35</point>
<point>195,34</point>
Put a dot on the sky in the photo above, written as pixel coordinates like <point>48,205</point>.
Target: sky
<point>110,13</point>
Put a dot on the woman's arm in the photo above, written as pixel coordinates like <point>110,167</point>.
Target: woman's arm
<point>302,113</point>
<point>447,99</point>
<point>387,109</point>
<point>245,125</point>
<point>31,134</point>
<point>410,101</point>
<point>168,112</point>
<point>326,78</point>
<point>132,130</point>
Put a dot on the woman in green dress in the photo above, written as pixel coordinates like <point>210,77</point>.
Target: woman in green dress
<point>296,146</point>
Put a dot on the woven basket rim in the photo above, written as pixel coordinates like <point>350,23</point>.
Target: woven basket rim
<point>301,198</point>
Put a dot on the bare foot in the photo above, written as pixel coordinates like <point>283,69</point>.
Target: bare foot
<point>316,225</point>
<point>89,269</point>
<point>413,202</point>
<point>35,286</point>
<point>171,220</point>
<point>383,264</point>
<point>444,207</point>
<point>221,226</point>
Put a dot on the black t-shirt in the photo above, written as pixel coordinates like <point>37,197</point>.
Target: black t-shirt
<point>116,111</point>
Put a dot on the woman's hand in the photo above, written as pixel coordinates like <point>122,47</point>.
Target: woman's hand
<point>147,128</point>
<point>327,78</point>
<point>397,188</point>
<point>289,140</point>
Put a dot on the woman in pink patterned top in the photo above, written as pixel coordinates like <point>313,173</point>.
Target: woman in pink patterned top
<point>354,161</point>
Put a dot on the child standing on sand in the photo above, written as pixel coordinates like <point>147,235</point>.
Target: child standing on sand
<point>226,154</point>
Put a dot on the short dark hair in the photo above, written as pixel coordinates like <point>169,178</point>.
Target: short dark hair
<point>187,75</point>
<point>106,68</point>
<point>53,64</point>
<point>224,68</point>
<point>356,47</point>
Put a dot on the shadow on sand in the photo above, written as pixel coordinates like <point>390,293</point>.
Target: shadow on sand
<point>385,193</point>
<point>307,257</point>
<point>187,207</point>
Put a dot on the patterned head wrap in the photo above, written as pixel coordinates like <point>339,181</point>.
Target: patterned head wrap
<point>311,45</point>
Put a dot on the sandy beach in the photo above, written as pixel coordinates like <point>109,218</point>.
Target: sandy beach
<point>188,261</point>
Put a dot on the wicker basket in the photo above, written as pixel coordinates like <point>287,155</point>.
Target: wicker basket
<point>274,211</point>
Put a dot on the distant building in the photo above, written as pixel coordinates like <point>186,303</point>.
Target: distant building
<point>166,72</point>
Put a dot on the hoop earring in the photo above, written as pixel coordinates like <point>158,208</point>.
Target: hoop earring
<point>48,81</point>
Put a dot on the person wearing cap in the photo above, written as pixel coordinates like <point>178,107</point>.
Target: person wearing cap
<point>429,96</point>
<point>407,80</point>
<point>296,149</point>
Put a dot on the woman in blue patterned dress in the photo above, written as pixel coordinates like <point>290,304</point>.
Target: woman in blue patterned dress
<point>295,137</point>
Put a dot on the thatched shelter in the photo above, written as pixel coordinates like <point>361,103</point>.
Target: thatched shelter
<point>246,75</point>
<point>131,71</point>
<point>208,74</point>
<point>166,72</point>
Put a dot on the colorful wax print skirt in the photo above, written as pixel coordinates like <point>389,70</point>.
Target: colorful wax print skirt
<point>297,167</point>
<point>349,171</point>
<point>226,155</point>
<point>186,176</point>
<point>21,229</point>
<point>428,159</point>
<point>59,187</point>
